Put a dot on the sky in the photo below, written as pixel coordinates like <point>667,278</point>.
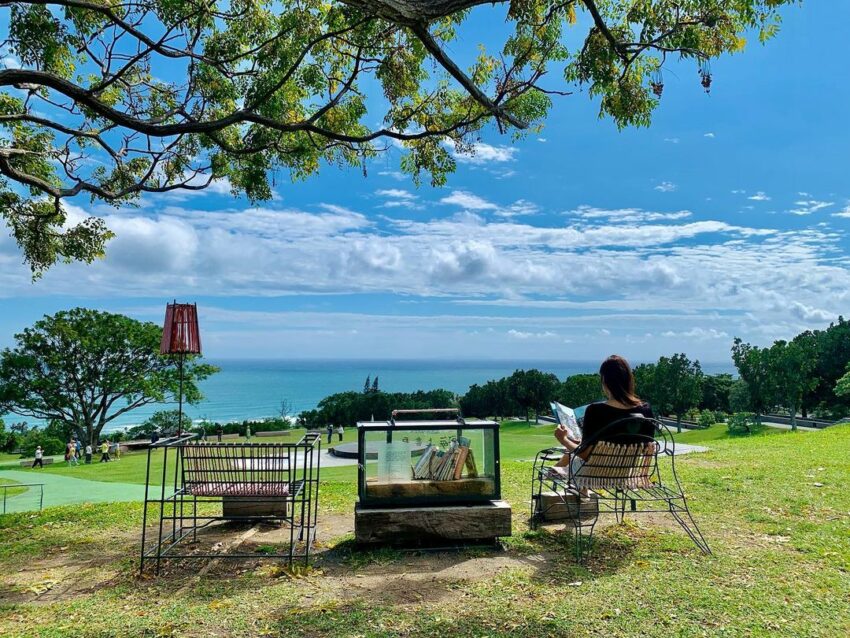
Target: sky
<point>727,217</point>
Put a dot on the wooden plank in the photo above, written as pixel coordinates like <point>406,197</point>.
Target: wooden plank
<point>428,525</point>
<point>234,506</point>
<point>423,488</point>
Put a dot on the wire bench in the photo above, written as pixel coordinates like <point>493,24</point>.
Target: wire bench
<point>275,483</point>
<point>613,475</point>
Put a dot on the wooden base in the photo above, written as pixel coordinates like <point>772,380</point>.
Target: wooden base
<point>432,525</point>
<point>261,508</point>
<point>424,488</point>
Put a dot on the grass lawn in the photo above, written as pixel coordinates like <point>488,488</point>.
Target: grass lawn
<point>773,507</point>
<point>11,491</point>
<point>518,440</point>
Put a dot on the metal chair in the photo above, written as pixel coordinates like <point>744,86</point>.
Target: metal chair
<point>621,466</point>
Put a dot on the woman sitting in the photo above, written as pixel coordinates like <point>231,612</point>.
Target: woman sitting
<point>618,383</point>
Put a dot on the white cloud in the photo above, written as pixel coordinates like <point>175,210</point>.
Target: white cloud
<point>482,153</point>
<point>672,140</point>
<point>398,198</point>
<point>396,175</point>
<point>518,334</point>
<point>809,206</point>
<point>468,201</point>
<point>542,140</point>
<point>709,135</point>
<point>666,187</point>
<point>699,334</point>
<point>634,215</point>
<point>471,202</point>
<point>844,213</point>
<point>738,191</point>
<point>590,270</point>
<point>760,196</point>
<point>810,313</point>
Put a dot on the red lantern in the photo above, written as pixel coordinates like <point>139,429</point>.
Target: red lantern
<point>180,336</point>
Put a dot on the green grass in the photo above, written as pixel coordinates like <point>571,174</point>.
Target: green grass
<point>774,508</point>
<point>12,491</point>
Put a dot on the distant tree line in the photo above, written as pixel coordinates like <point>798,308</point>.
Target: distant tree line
<point>808,375</point>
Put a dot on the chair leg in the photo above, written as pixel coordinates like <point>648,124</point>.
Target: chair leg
<point>619,506</point>
<point>691,529</point>
<point>583,541</point>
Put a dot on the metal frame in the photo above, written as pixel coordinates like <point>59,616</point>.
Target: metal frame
<point>394,427</point>
<point>244,472</point>
<point>633,477</point>
<point>6,488</point>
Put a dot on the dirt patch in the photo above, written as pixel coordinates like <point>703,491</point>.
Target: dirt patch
<point>65,573</point>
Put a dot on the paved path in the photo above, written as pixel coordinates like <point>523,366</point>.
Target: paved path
<point>787,426</point>
<point>65,490</point>
<point>684,448</point>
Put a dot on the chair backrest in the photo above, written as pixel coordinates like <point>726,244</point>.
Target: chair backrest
<point>613,465</point>
<point>217,468</point>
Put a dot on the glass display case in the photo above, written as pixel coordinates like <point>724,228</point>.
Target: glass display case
<point>404,462</point>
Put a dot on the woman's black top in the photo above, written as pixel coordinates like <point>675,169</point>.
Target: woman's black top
<point>599,416</point>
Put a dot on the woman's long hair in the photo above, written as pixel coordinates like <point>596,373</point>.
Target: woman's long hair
<point>618,378</point>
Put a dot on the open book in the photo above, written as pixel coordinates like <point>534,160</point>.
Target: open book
<point>567,417</point>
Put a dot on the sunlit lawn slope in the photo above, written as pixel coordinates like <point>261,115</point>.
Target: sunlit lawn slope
<point>774,508</point>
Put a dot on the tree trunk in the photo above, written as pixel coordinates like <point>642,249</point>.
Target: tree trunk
<point>805,412</point>
<point>793,417</point>
<point>526,415</point>
<point>678,423</point>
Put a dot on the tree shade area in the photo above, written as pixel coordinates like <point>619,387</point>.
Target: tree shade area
<point>111,101</point>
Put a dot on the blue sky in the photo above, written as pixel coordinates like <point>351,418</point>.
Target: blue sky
<point>727,217</point>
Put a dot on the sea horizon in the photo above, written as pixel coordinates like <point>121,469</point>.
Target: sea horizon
<point>252,388</point>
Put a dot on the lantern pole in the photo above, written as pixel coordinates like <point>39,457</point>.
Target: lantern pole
<point>181,359</point>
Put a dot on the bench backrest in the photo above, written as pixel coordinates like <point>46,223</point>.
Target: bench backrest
<point>612,466</point>
<point>221,469</point>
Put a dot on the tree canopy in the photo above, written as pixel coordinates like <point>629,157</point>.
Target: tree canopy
<point>85,368</point>
<point>110,100</point>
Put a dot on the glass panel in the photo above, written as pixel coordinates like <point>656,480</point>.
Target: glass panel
<point>450,464</point>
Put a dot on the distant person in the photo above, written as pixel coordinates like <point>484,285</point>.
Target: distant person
<point>71,453</point>
<point>219,432</point>
<point>88,453</point>
<point>39,458</point>
<point>78,448</point>
<point>330,430</point>
<point>340,430</point>
<point>618,383</point>
<point>104,452</point>
<point>117,451</point>
<point>154,437</point>
<point>248,432</point>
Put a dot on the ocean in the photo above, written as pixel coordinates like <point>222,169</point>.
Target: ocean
<point>254,389</point>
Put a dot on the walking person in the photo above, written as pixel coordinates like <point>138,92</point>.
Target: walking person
<point>39,456</point>
<point>117,451</point>
<point>88,454</point>
<point>104,452</point>
<point>340,430</point>
<point>330,429</point>
<point>71,453</point>
<point>219,431</point>
<point>77,448</point>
